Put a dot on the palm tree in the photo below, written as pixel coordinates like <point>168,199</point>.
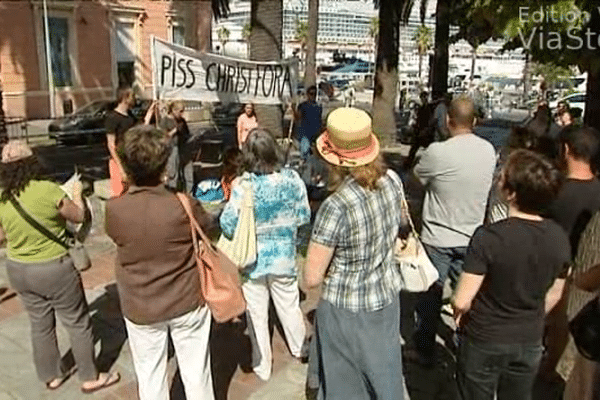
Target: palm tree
<point>266,20</point>
<point>223,34</point>
<point>374,33</point>
<point>310,65</point>
<point>387,32</point>
<point>302,37</point>
<point>440,55</point>
<point>246,32</point>
<point>422,37</point>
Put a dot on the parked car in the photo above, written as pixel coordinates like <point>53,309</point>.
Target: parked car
<point>86,124</point>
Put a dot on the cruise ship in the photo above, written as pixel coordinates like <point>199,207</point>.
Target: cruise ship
<point>344,25</point>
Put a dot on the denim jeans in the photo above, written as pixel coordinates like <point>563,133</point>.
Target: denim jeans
<point>304,147</point>
<point>503,371</point>
<point>449,262</point>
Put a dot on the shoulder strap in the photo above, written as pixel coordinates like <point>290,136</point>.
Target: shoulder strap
<point>187,206</point>
<point>37,225</point>
<point>403,203</point>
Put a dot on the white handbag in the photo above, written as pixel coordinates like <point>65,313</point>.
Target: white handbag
<point>241,249</point>
<point>416,269</point>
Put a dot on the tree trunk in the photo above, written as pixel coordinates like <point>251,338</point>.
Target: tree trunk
<point>420,66</point>
<point>386,72</point>
<point>527,80</point>
<point>266,20</point>
<point>310,70</point>
<point>592,103</point>
<point>473,60</point>
<point>440,55</point>
<point>3,131</point>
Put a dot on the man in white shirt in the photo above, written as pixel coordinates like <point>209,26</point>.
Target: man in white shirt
<point>457,175</point>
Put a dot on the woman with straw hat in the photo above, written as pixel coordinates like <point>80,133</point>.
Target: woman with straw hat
<point>351,253</point>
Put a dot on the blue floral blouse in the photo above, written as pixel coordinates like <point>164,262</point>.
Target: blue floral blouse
<point>280,207</point>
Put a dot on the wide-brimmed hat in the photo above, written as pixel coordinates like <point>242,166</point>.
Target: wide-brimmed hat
<point>349,140</point>
<point>15,150</point>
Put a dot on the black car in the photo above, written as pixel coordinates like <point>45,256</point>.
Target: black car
<point>87,123</point>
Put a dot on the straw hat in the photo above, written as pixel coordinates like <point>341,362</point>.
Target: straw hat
<point>15,150</point>
<point>349,140</point>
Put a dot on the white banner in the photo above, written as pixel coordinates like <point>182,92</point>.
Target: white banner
<point>182,73</point>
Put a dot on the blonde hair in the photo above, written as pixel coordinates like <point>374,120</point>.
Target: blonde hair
<point>366,175</point>
<point>174,104</point>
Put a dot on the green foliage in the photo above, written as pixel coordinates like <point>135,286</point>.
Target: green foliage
<point>223,34</point>
<point>246,32</point>
<point>374,28</point>
<point>302,32</point>
<point>424,38</point>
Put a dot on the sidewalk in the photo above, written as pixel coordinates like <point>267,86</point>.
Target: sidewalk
<point>229,346</point>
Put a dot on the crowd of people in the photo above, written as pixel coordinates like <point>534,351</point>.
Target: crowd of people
<point>511,233</point>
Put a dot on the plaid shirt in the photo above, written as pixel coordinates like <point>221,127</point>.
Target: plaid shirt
<point>362,226</point>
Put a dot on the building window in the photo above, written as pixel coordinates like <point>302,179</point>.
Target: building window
<point>58,29</point>
<point>178,32</point>
<point>125,53</point>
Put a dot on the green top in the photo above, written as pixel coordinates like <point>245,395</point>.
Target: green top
<point>26,244</point>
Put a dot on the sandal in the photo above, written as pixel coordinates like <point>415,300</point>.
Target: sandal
<point>109,380</point>
<point>59,381</point>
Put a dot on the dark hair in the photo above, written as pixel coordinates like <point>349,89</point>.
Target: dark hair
<point>521,138</point>
<point>144,152</point>
<point>260,152</point>
<point>540,123</point>
<point>583,142</point>
<point>123,92</point>
<point>16,175</point>
<point>533,179</point>
<point>312,88</point>
<point>232,162</point>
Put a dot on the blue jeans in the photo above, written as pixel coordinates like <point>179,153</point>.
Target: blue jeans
<point>506,370</point>
<point>304,147</point>
<point>449,262</point>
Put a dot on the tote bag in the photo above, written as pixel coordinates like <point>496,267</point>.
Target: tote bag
<point>416,269</point>
<point>241,249</point>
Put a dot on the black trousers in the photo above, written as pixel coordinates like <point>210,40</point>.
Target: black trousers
<point>503,371</point>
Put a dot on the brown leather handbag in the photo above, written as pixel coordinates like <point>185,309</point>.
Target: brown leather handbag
<point>219,279</point>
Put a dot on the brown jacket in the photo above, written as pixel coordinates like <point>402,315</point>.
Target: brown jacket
<point>156,271</point>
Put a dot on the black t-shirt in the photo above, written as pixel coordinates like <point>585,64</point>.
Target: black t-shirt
<point>575,205</point>
<point>520,260</point>
<point>117,124</point>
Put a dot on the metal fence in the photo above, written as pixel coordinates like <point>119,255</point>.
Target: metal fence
<point>16,128</point>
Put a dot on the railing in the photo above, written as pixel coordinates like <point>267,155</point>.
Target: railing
<point>16,128</point>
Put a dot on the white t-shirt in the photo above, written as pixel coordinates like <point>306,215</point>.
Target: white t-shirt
<point>457,175</point>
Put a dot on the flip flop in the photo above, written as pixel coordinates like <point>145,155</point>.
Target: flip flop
<point>110,380</point>
<point>61,379</point>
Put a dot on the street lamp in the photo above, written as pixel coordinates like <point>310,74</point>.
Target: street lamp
<point>49,62</point>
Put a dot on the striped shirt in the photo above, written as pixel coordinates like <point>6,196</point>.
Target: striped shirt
<point>362,226</point>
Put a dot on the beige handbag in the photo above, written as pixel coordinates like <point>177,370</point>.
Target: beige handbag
<point>241,249</point>
<point>417,271</point>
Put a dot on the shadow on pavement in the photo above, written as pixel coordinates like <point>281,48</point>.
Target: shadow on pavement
<point>108,327</point>
<point>229,348</point>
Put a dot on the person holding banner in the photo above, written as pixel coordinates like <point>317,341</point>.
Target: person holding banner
<point>245,123</point>
<point>180,172</point>
<point>117,122</point>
